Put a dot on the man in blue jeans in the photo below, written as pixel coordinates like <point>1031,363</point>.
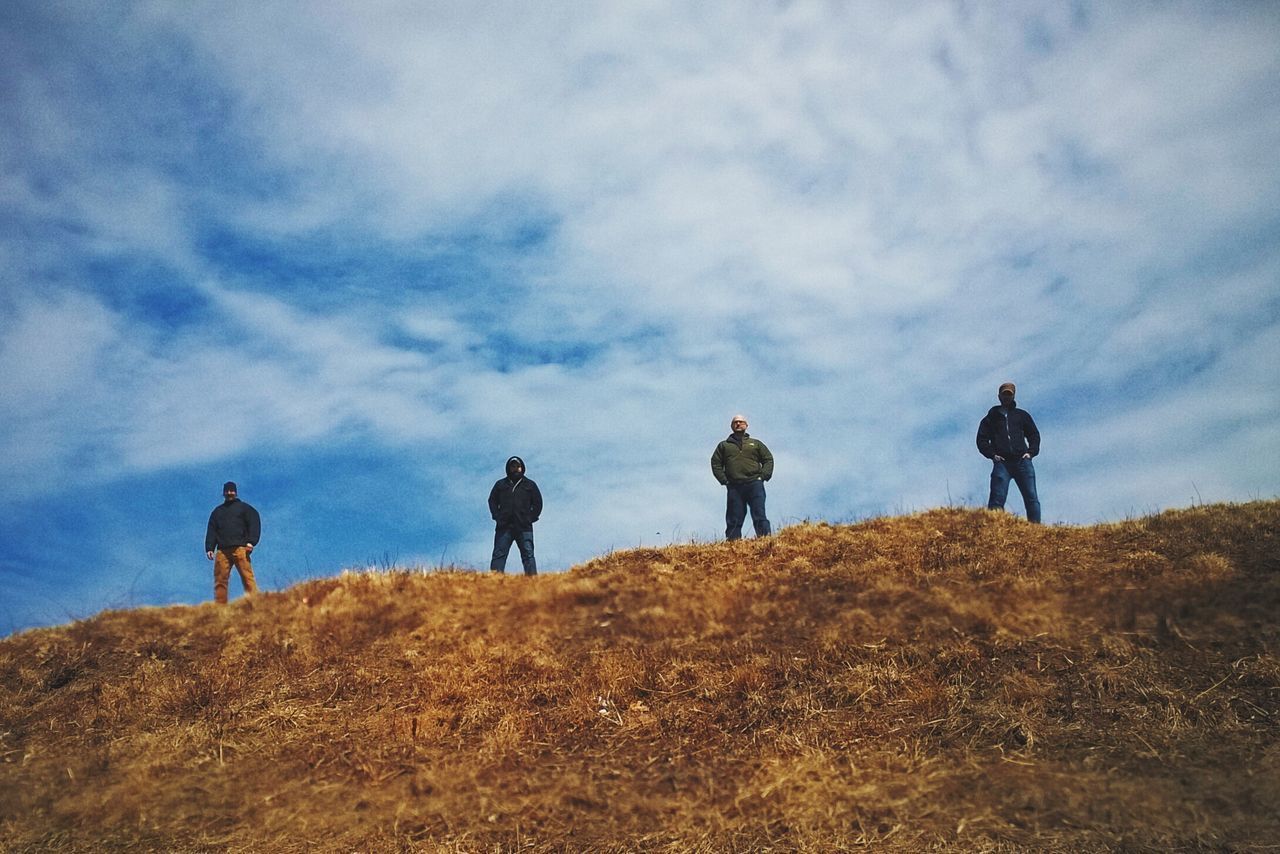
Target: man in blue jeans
<point>742,464</point>
<point>1009,438</point>
<point>515,504</point>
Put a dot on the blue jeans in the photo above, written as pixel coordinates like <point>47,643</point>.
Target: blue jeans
<point>740,496</point>
<point>1020,472</point>
<point>502,540</point>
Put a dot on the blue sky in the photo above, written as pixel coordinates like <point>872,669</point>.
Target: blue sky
<point>353,257</point>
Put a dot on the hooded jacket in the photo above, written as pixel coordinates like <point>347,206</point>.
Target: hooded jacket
<point>740,460</point>
<point>515,502</point>
<point>1008,432</point>
<point>232,524</point>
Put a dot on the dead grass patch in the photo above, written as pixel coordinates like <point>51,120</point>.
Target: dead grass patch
<point>952,680</point>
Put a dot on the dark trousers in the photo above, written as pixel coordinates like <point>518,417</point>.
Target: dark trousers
<point>502,540</point>
<point>1020,472</point>
<point>740,496</point>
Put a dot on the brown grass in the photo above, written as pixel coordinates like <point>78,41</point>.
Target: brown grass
<point>953,680</point>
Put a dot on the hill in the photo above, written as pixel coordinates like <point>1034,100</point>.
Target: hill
<point>954,680</point>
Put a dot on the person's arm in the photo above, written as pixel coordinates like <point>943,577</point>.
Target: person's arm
<point>210,538</point>
<point>535,502</point>
<point>493,502</point>
<point>254,523</point>
<point>717,465</point>
<point>985,445</point>
<point>766,462</point>
<point>1033,435</point>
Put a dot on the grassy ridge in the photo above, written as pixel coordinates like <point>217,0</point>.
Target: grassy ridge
<point>953,680</point>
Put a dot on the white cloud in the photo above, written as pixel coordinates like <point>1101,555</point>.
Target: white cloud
<point>54,352</point>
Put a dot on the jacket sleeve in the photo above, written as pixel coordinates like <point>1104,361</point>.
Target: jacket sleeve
<point>493,502</point>
<point>210,535</point>
<point>1033,435</point>
<point>984,439</point>
<point>535,502</point>
<point>254,523</point>
<point>766,462</point>
<point>717,464</point>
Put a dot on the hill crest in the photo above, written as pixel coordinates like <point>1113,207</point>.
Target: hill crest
<point>953,679</point>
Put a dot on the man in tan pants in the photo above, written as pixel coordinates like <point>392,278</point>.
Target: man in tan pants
<point>234,531</point>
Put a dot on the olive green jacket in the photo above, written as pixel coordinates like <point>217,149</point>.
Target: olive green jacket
<point>734,463</point>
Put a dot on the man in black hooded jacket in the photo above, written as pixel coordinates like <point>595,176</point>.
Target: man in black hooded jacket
<point>1009,438</point>
<point>515,504</point>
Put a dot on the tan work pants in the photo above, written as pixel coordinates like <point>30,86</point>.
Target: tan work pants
<point>222,563</point>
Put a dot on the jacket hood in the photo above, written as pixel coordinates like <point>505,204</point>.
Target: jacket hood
<point>511,461</point>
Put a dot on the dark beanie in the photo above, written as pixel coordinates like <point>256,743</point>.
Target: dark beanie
<point>229,486</point>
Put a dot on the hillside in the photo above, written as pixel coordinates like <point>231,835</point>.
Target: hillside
<point>954,680</point>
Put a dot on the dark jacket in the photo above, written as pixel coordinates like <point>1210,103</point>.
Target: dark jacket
<point>741,460</point>
<point>515,502</point>
<point>1008,432</point>
<point>232,524</point>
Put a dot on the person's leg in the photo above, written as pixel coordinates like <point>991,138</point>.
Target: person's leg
<point>221,574</point>
<point>240,558</point>
<point>501,545</point>
<point>1024,474</point>
<point>524,540</point>
<point>735,512</point>
<point>755,500</point>
<point>999,485</point>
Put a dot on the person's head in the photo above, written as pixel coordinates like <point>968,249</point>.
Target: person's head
<point>515,467</point>
<point>738,424</point>
<point>1006,393</point>
<point>229,491</point>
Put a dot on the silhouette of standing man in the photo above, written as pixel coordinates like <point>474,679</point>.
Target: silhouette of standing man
<point>742,465</point>
<point>515,504</point>
<point>1009,438</point>
<point>234,530</point>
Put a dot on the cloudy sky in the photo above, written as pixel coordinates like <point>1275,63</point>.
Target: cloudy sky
<point>353,256</point>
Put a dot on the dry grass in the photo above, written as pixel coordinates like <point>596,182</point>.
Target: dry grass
<point>954,680</point>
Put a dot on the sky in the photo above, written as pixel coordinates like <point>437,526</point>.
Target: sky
<point>353,256</point>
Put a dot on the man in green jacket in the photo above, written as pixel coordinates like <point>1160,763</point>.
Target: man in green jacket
<point>742,465</point>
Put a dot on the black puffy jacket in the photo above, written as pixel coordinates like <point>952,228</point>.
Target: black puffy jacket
<point>232,524</point>
<point>515,502</point>
<point>1008,432</point>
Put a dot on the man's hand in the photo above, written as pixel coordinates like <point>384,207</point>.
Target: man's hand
<point>209,555</point>
<point>248,547</point>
